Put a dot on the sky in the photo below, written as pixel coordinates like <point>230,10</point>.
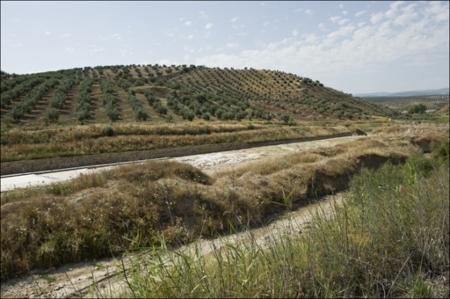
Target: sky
<point>355,47</point>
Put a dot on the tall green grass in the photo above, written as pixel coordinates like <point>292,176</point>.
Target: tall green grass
<point>389,238</point>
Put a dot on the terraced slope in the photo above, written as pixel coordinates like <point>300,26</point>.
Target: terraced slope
<point>172,93</point>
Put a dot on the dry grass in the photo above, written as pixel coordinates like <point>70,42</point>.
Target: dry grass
<point>73,141</point>
<point>71,133</point>
<point>130,207</point>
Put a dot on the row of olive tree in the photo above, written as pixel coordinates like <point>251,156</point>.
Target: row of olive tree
<point>30,100</point>
<point>84,100</point>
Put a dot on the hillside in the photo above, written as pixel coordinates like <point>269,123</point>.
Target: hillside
<point>410,93</point>
<point>160,93</point>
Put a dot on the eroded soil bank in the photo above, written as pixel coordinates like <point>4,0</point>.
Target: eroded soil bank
<point>207,162</point>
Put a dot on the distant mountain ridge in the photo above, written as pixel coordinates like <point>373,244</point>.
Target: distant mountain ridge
<point>439,91</point>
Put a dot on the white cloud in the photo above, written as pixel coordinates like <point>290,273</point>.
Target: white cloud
<point>342,22</point>
<point>335,19</point>
<point>310,38</point>
<point>322,27</point>
<point>208,26</point>
<point>438,11</point>
<point>393,9</point>
<point>234,19</point>
<point>341,5</point>
<point>66,35</point>
<point>396,4</point>
<point>344,12</point>
<point>308,11</point>
<point>232,45</point>
<point>116,36</point>
<point>47,33</point>
<point>375,18</point>
<point>341,32</point>
<point>405,18</point>
<point>353,49</point>
<point>339,20</point>
<point>190,36</point>
<point>294,32</point>
<point>360,13</point>
<point>188,23</point>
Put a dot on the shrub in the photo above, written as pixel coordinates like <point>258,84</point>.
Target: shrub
<point>440,150</point>
<point>285,118</point>
<point>110,100</point>
<point>52,115</point>
<point>188,114</point>
<point>155,103</point>
<point>141,115</point>
<point>108,131</point>
<point>138,108</point>
<point>83,100</point>
<point>417,109</point>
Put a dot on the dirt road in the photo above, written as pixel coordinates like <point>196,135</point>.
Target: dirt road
<point>204,161</point>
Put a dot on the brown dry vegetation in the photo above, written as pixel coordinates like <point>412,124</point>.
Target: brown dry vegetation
<point>71,133</point>
<point>422,136</point>
<point>131,207</point>
<point>95,139</point>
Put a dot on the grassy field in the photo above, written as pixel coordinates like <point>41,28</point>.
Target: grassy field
<point>389,239</point>
<point>130,207</point>
<point>58,147</point>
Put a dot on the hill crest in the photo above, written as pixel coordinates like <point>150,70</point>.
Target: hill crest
<point>172,93</point>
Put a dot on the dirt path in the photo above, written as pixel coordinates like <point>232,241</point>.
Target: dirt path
<point>105,278</point>
<point>208,162</point>
<point>217,161</point>
<point>93,160</point>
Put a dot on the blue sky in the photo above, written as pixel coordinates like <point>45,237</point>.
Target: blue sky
<point>352,46</point>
